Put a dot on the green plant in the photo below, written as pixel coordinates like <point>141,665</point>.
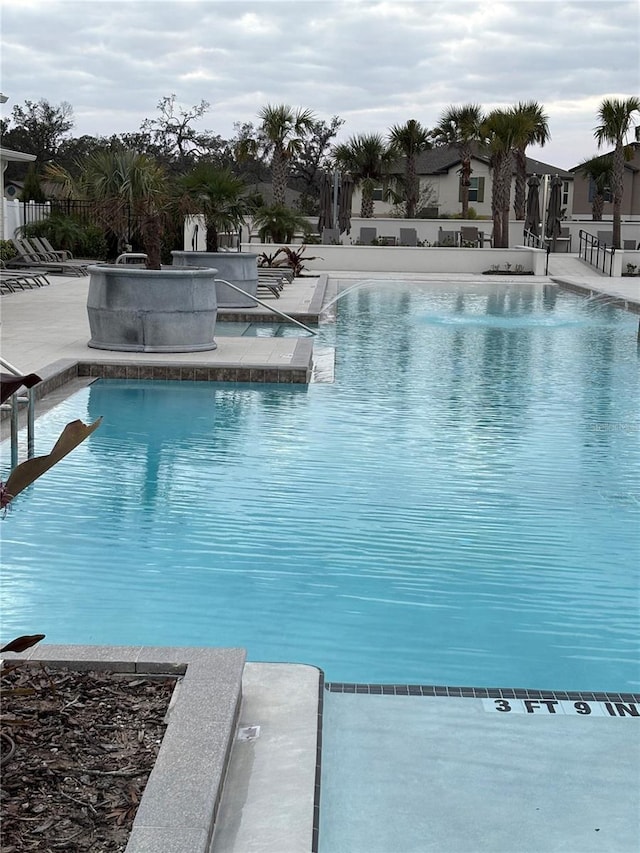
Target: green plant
<point>631,269</point>
<point>82,239</point>
<point>217,194</point>
<point>7,250</point>
<point>279,223</point>
<point>286,257</point>
<point>125,189</point>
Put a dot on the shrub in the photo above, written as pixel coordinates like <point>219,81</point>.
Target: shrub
<point>65,232</point>
<point>7,250</point>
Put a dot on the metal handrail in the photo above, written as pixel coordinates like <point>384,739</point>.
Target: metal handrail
<point>596,252</point>
<point>531,239</point>
<point>13,407</point>
<point>266,305</point>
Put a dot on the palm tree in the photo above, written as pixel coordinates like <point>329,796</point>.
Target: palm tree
<point>531,128</point>
<point>409,140</point>
<point>284,129</point>
<point>499,130</point>
<point>217,194</point>
<point>615,118</point>
<point>460,126</point>
<point>599,170</point>
<point>366,157</point>
<point>124,186</point>
<point>279,223</point>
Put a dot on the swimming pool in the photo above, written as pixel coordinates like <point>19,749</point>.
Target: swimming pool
<point>460,507</point>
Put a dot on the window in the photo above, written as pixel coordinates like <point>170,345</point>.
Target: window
<point>592,191</point>
<point>476,190</point>
<point>565,194</point>
<point>378,194</point>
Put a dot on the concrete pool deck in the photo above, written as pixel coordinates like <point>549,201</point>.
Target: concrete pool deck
<point>475,773</point>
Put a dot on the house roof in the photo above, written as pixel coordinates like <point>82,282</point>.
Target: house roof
<point>632,165</point>
<point>440,161</point>
<point>16,156</point>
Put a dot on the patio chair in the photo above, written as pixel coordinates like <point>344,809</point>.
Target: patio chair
<point>447,238</point>
<point>367,236</point>
<point>606,237</point>
<point>629,245</point>
<point>330,236</point>
<point>564,238</point>
<point>408,237</point>
<point>469,236</point>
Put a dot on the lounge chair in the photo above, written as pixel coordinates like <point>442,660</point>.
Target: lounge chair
<point>23,278</point>
<point>273,279</point>
<point>28,257</point>
<point>57,255</point>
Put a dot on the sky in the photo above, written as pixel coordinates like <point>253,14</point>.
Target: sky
<point>373,64</point>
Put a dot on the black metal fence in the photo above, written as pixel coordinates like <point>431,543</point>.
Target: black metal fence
<point>596,252</point>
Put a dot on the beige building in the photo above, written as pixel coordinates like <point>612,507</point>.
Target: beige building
<point>584,190</point>
<point>439,175</point>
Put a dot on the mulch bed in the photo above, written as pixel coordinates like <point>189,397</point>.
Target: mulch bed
<point>77,750</point>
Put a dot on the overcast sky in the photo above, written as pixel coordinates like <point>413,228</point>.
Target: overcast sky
<point>374,64</point>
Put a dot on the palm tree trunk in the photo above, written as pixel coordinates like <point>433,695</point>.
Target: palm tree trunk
<point>496,203</point>
<point>617,183</point>
<point>519,202</point>
<point>465,181</point>
<point>366,207</point>
<point>412,188</point>
<point>597,206</point>
<point>151,231</point>
<point>212,238</point>
<point>506,197</point>
<point>279,177</point>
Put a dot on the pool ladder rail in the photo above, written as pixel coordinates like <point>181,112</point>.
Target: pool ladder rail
<point>266,305</point>
<point>11,402</point>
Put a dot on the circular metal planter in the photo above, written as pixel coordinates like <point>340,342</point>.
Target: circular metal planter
<point>240,268</point>
<point>138,310</point>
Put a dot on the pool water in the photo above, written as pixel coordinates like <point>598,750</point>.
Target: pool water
<point>460,507</point>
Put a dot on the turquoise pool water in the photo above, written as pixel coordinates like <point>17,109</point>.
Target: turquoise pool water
<point>461,506</point>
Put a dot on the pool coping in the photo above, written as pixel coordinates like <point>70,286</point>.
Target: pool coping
<point>180,802</point>
<point>66,370</point>
<point>618,300</point>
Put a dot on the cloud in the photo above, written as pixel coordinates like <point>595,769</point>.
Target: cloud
<point>375,64</point>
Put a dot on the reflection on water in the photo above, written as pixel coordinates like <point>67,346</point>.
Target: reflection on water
<point>460,506</point>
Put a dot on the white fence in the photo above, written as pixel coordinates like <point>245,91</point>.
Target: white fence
<point>15,214</point>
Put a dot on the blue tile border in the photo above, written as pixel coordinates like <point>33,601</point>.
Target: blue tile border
<point>478,692</point>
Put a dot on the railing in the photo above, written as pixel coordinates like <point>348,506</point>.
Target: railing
<point>596,253</point>
<point>532,240</point>
<point>266,305</point>
<point>12,406</point>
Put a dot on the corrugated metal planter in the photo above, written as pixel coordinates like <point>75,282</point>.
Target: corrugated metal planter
<point>139,310</point>
<point>239,268</point>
